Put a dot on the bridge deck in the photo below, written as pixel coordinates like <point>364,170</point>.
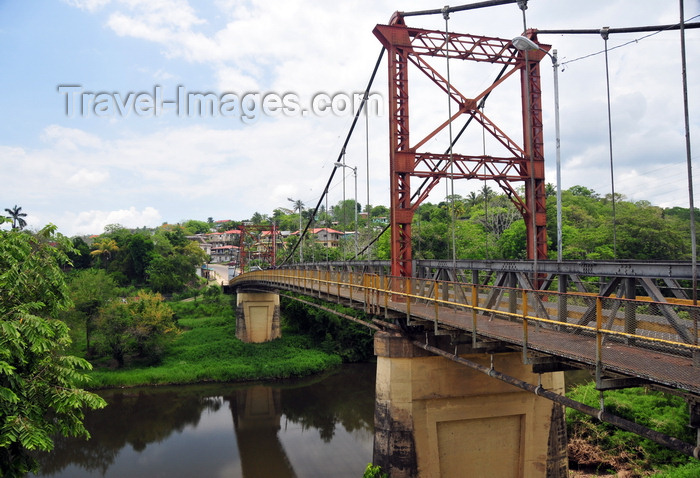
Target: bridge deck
<point>658,367</point>
<point>637,352</point>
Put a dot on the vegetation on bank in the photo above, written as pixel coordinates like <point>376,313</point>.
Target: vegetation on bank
<point>600,447</point>
<point>206,349</point>
<point>39,382</point>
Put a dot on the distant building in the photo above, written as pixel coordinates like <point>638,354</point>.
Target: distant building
<point>224,254</point>
<point>327,236</point>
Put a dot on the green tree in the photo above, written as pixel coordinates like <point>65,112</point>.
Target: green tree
<point>80,255</point>
<point>89,289</point>
<point>135,256</point>
<point>193,227</point>
<point>153,324</point>
<point>39,385</point>
<point>17,217</point>
<point>114,325</point>
<point>104,248</point>
<point>513,241</point>
<point>137,325</point>
<point>174,267</point>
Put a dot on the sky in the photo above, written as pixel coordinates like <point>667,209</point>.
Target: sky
<point>100,121</point>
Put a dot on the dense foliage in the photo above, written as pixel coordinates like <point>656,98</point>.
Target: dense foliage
<point>604,447</point>
<point>207,349</point>
<point>329,332</point>
<point>163,260</point>
<point>138,325</point>
<point>39,394</point>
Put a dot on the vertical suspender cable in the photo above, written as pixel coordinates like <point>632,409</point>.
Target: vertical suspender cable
<point>691,199</point>
<point>369,222</point>
<point>345,219</point>
<point>446,16</point>
<point>604,33</point>
<point>486,200</point>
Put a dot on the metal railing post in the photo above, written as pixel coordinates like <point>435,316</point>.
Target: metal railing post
<point>599,339</point>
<point>408,299</point>
<point>475,304</point>
<point>351,282</point>
<point>525,330</point>
<point>385,287</point>
<point>436,288</point>
<point>338,278</point>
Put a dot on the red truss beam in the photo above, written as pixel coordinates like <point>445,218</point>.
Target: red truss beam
<point>415,46</point>
<point>253,246</point>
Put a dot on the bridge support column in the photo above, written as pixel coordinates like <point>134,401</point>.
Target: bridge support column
<point>437,418</point>
<point>257,316</point>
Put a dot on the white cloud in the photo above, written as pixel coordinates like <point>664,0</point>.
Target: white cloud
<point>87,179</point>
<point>94,221</point>
<point>69,138</point>
<point>89,5</point>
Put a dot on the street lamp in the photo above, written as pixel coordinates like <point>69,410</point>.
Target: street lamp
<point>354,171</point>
<point>525,44</point>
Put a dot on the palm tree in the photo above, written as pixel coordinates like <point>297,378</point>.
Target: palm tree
<point>16,216</point>
<point>299,206</point>
<point>104,248</point>
<point>472,198</point>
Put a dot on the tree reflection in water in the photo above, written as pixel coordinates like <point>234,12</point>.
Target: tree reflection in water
<point>176,417</point>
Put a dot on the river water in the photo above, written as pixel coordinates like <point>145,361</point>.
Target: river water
<point>315,427</point>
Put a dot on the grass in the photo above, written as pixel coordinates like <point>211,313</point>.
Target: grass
<point>604,447</point>
<point>691,470</point>
<point>206,350</point>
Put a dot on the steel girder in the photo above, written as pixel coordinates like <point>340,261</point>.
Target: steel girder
<point>406,45</point>
<point>251,245</point>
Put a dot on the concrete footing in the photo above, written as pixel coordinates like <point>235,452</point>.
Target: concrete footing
<point>437,418</point>
<point>257,316</point>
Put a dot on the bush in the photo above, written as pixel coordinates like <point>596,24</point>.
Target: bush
<point>139,325</point>
<point>603,446</point>
<point>329,332</point>
<point>373,471</point>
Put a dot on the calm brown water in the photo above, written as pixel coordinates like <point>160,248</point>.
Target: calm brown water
<point>316,427</point>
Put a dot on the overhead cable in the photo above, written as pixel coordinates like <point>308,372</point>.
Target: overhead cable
<point>340,156</point>
<point>459,8</point>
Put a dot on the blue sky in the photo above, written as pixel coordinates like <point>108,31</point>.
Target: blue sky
<point>84,172</point>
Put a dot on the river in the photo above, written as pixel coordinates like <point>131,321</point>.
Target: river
<point>314,427</point>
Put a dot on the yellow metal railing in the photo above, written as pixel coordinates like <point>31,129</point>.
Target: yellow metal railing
<point>666,327</point>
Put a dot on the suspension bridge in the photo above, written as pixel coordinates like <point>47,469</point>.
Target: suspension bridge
<point>450,334</point>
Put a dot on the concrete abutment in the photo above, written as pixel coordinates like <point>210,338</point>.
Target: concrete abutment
<point>438,418</point>
<point>257,316</point>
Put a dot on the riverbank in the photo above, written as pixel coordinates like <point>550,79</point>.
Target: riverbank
<point>206,350</point>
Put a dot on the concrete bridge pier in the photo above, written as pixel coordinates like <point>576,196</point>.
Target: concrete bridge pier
<point>257,316</point>
<point>436,418</point>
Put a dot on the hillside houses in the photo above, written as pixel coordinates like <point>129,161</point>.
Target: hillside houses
<point>226,246</point>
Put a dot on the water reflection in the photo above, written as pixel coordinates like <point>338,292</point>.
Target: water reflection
<point>316,427</point>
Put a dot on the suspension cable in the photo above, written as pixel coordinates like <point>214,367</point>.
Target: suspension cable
<point>604,32</point>
<point>655,29</point>
<point>340,155</point>
<point>446,16</point>
<point>459,8</point>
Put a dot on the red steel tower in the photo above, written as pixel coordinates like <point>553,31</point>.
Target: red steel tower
<point>414,46</point>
